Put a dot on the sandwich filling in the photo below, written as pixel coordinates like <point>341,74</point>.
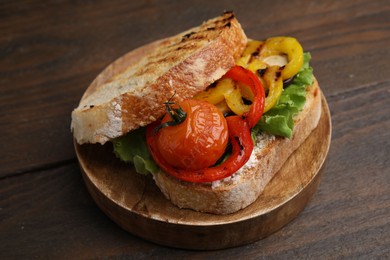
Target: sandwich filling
<point>259,96</point>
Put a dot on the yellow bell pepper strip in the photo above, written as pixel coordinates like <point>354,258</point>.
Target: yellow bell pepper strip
<point>252,47</point>
<point>249,60</point>
<point>289,46</point>
<point>273,79</point>
<point>215,95</point>
<point>243,61</point>
<point>224,108</point>
<point>256,65</point>
<point>225,92</point>
<point>235,102</point>
<point>246,91</point>
<point>246,77</point>
<point>254,58</point>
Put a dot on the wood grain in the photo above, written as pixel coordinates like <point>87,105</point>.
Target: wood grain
<point>51,51</point>
<point>135,203</point>
<point>58,57</point>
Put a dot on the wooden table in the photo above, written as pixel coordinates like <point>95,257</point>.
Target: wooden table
<point>51,51</point>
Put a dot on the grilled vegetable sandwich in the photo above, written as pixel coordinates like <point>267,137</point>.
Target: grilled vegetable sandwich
<point>210,114</point>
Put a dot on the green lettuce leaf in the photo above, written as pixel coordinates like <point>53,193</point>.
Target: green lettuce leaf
<point>133,148</point>
<point>279,119</point>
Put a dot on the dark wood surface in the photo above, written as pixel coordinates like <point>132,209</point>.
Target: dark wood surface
<point>50,51</point>
<point>135,203</point>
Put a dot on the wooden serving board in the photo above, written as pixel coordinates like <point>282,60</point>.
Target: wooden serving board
<point>136,204</point>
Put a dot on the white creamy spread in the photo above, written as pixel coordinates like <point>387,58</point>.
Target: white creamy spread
<point>262,140</point>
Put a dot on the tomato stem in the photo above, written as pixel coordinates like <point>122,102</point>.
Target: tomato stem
<point>178,115</point>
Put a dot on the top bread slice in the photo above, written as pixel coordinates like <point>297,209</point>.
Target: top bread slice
<point>182,65</point>
<point>244,187</point>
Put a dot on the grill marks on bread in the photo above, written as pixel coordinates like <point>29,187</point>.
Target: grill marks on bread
<point>188,42</point>
<point>137,84</point>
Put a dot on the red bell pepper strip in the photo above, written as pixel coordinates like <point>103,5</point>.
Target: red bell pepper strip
<point>239,136</point>
<point>238,73</point>
<point>242,146</point>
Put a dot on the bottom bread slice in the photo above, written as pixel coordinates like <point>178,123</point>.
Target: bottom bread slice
<point>244,187</point>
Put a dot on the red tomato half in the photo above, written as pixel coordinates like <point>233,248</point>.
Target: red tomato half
<point>196,143</point>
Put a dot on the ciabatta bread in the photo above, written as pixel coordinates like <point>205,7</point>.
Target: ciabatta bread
<point>245,186</point>
<point>184,64</point>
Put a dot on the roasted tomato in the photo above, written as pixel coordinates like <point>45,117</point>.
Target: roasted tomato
<point>196,143</point>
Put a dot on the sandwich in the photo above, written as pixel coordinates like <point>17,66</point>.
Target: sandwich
<point>210,114</point>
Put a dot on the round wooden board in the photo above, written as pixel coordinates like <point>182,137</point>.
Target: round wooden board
<point>136,204</point>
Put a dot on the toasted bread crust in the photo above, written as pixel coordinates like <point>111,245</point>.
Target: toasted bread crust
<point>244,188</point>
<point>184,64</point>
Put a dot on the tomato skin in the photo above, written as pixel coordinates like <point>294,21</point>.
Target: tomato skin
<point>242,147</point>
<point>196,143</point>
<point>174,153</point>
